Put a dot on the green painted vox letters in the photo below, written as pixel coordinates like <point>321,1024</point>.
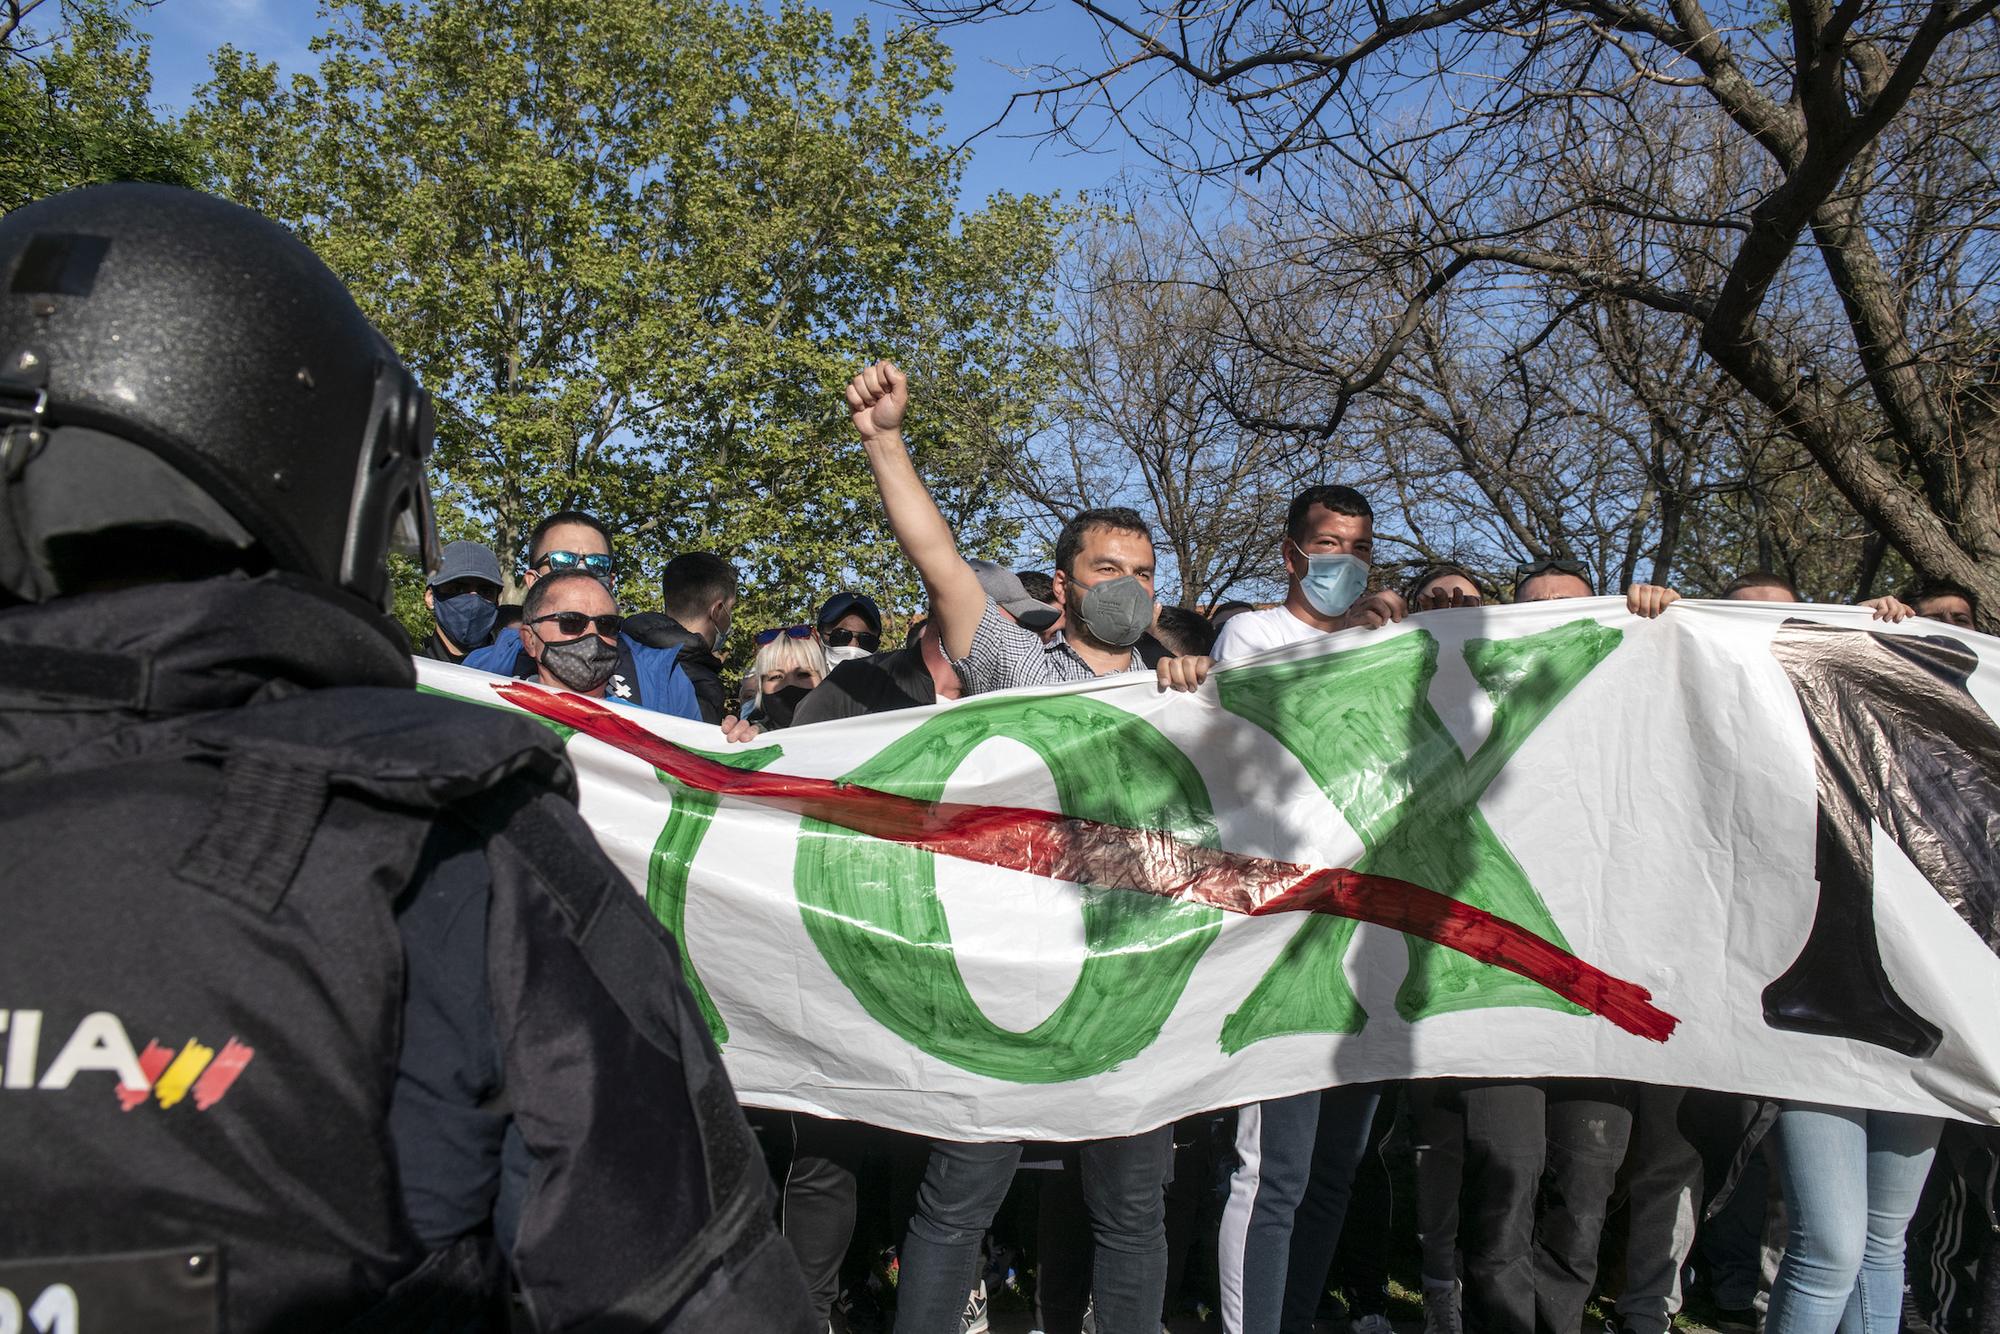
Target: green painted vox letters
<point>1361,725</point>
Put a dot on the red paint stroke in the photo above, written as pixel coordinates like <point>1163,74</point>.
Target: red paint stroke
<point>221,1073</point>
<point>151,1061</point>
<point>1147,861</point>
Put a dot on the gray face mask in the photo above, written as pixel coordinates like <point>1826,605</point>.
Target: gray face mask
<point>581,664</point>
<point>1116,611</point>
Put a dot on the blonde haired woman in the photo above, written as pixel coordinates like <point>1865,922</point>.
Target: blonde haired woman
<point>789,663</point>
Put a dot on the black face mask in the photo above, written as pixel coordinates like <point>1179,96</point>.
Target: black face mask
<point>779,705</point>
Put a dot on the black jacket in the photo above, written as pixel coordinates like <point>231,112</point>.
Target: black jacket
<point>302,920</point>
<point>878,683</point>
<point>656,629</point>
<point>432,646</point>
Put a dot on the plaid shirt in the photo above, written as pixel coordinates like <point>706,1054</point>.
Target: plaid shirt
<point>1004,656</point>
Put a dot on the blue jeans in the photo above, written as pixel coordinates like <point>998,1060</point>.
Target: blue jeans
<point>1287,1199</point>
<point>1124,1191</point>
<point>1851,1180</point>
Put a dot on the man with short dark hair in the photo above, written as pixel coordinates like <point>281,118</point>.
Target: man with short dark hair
<point>647,677</point>
<point>1296,1156</point>
<point>1104,583</point>
<point>1327,546</point>
<point>1944,601</point>
<point>698,594</point>
<point>464,601</point>
<point>569,540</point>
<point>1443,586</point>
<point>1184,631</point>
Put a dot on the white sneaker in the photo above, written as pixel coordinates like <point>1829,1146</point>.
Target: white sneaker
<point>1372,1323</point>
<point>1441,1310</point>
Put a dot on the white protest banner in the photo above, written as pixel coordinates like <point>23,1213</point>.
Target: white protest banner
<point>1738,847</point>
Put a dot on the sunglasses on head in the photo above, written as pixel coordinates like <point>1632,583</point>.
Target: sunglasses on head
<point>866,640</point>
<point>788,631</point>
<point>1549,564</point>
<point>596,562</point>
<point>574,623</point>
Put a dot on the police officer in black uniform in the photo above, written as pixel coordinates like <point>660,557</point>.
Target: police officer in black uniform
<point>318,1002</point>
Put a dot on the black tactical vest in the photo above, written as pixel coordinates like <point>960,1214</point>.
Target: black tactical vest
<point>201,981</point>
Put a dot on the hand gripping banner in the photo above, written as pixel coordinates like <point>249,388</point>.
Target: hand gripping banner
<point>1543,840</point>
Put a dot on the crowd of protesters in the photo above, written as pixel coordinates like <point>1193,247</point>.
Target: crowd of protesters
<point>229,821</point>
<point>1534,1200</point>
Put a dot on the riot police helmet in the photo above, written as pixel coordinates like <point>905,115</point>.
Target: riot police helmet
<point>183,382</point>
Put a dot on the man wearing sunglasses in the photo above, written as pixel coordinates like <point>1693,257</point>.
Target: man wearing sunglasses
<point>569,626</point>
<point>569,540</point>
<point>572,543</point>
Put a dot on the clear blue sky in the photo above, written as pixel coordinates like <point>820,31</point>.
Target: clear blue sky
<point>1011,158</point>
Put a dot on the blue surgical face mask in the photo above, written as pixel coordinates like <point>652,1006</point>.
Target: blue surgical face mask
<point>467,619</point>
<point>1331,583</point>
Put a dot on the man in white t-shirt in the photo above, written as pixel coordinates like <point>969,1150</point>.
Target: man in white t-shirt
<point>1328,544</point>
<point>1295,1157</point>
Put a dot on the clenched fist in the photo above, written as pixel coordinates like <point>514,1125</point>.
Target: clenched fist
<point>877,399</point>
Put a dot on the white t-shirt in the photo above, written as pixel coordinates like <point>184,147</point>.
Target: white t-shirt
<point>1249,632</point>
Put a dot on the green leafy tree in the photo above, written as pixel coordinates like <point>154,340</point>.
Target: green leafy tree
<point>73,107</point>
<point>636,248</point>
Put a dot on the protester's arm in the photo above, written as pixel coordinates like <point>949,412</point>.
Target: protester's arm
<point>1649,600</point>
<point>876,400</point>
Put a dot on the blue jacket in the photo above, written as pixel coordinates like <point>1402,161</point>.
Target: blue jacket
<point>663,686</point>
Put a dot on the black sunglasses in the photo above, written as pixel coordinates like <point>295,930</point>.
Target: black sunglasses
<point>1557,564</point>
<point>864,639</point>
<point>596,562</point>
<point>574,623</point>
<point>788,631</point>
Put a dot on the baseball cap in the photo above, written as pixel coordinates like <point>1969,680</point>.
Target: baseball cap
<point>466,560</point>
<point>847,601</point>
<point>1004,587</point>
